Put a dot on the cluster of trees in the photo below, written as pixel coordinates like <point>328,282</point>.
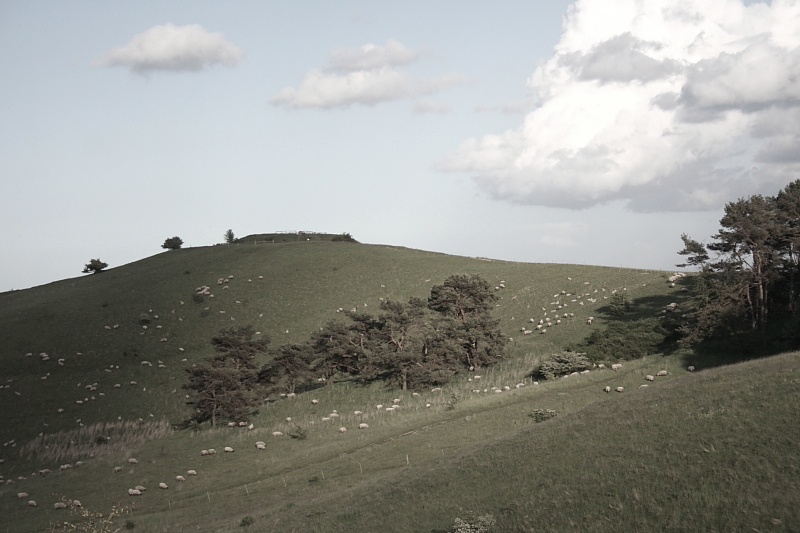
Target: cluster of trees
<point>752,280</point>
<point>410,344</point>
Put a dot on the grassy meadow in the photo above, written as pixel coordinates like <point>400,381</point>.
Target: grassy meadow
<point>710,451</point>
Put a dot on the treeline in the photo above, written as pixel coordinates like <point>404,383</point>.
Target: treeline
<point>413,344</point>
<point>751,282</point>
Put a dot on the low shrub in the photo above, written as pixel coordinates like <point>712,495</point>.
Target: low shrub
<point>540,415</point>
<point>560,364</point>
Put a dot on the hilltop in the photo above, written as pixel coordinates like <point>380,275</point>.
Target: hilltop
<point>286,290</point>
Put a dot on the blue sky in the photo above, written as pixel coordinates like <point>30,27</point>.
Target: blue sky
<point>590,132</point>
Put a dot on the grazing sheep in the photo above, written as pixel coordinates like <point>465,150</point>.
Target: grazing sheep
<point>314,401</point>
<point>661,373</point>
<point>437,389</point>
<point>616,366</point>
<point>342,430</point>
<point>607,389</point>
<point>357,412</point>
<point>162,486</point>
<point>648,377</point>
<point>277,434</point>
<point>139,487</point>
<point>231,424</point>
<point>643,386</point>
<point>177,478</point>
<point>191,472</point>
<point>211,451</point>
<point>203,452</point>
<point>133,461</point>
<point>32,503</point>
<point>363,426</point>
<point>260,445</point>
<point>65,467</point>
<point>59,505</point>
<point>134,492</point>
<point>379,406</point>
<point>21,495</point>
<point>227,449</point>
<point>620,389</point>
<point>117,469</point>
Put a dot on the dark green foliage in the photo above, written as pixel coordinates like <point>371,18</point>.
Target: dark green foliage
<point>473,523</point>
<point>94,266</point>
<point>344,237</point>
<point>540,415</point>
<point>224,383</point>
<point>297,432</point>
<point>247,521</point>
<point>229,237</point>
<point>129,524</point>
<point>173,243</point>
<point>288,368</point>
<point>625,340</point>
<point>561,364</point>
<point>619,304</point>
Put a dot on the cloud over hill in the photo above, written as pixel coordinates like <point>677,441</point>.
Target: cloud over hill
<point>671,106</point>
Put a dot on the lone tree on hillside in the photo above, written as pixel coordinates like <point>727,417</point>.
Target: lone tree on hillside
<point>173,243</point>
<point>94,266</point>
<point>229,238</point>
<point>225,383</point>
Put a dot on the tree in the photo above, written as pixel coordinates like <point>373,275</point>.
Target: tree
<point>94,266</point>
<point>173,243</point>
<point>288,368</point>
<point>229,238</point>
<point>225,383</point>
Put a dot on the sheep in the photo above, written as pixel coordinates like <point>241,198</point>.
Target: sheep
<point>59,505</point>
<point>133,461</point>
<point>203,452</point>
<point>163,485</point>
<point>260,445</point>
<point>211,451</point>
<point>227,449</point>
<point>342,430</point>
<point>648,377</point>
<point>363,426</point>
<point>117,469</point>
<point>21,495</point>
<point>139,487</point>
<point>65,467</point>
<point>314,401</point>
<point>357,412</point>
<point>277,434</point>
<point>601,365</point>
<point>191,473</point>
<point>177,478</point>
<point>134,492</point>
<point>437,389</point>
<point>379,406</point>
<point>607,389</point>
<point>690,368</point>
<point>32,503</point>
<point>661,373</point>
<point>620,389</point>
<point>616,366</point>
<point>643,386</point>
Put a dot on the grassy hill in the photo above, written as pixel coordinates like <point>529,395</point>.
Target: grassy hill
<point>413,468</point>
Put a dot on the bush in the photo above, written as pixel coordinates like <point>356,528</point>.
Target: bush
<point>560,364</point>
<point>94,266</point>
<point>247,521</point>
<point>619,304</point>
<point>625,340</point>
<point>540,415</point>
<point>473,523</point>
<point>229,237</point>
<point>173,243</point>
<point>344,237</point>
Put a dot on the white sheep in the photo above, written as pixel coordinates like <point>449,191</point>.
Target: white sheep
<point>134,492</point>
<point>260,445</point>
<point>203,452</point>
<point>363,426</point>
<point>32,503</point>
<point>117,469</point>
<point>227,449</point>
<point>607,389</point>
<point>59,505</point>
<point>133,461</point>
<point>648,377</point>
<point>139,487</point>
<point>616,366</point>
<point>191,473</point>
<point>211,451</point>
<point>277,434</point>
<point>661,373</point>
<point>314,401</point>
<point>342,430</point>
<point>163,485</point>
<point>620,389</point>
<point>21,495</point>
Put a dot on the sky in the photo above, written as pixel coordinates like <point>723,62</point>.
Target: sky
<point>586,132</point>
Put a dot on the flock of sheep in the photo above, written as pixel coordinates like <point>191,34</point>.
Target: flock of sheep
<point>554,314</point>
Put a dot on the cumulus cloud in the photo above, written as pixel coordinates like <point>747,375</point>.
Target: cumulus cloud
<point>365,75</point>
<point>670,105</point>
<point>188,48</point>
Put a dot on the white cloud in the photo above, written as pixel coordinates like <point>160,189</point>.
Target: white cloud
<point>364,75</point>
<point>172,48</point>
<point>666,104</point>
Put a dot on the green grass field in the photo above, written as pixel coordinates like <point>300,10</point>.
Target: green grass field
<point>709,451</point>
